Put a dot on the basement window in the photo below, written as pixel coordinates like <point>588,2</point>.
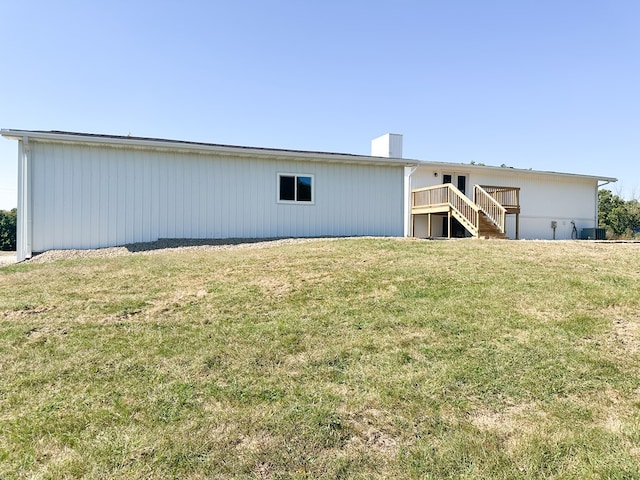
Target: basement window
<point>294,188</point>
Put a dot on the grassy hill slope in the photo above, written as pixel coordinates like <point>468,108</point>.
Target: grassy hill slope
<point>365,358</point>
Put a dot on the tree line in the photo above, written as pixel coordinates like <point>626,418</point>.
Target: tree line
<point>620,217</point>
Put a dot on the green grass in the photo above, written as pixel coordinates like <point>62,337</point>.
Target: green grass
<point>328,359</point>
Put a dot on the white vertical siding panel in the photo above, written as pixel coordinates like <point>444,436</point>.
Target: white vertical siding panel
<point>65,226</point>
<point>183,201</point>
<point>205,185</point>
<point>152,199</point>
<point>189,206</point>
<point>149,175</point>
<point>95,212</point>
<point>98,196</point>
<point>266,188</point>
<point>229,200</point>
<point>132,195</point>
<point>172,212</point>
<point>81,197</point>
<point>141,193</point>
<point>187,189</point>
<point>71,206</point>
<point>194,192</point>
<point>216,198</point>
<point>56,225</point>
<point>242,194</point>
<point>118,200</point>
<point>324,218</point>
<point>234,219</point>
<point>154,224</point>
<point>54,213</point>
<point>102,172</point>
<point>74,195</point>
<point>365,224</point>
<point>224,199</point>
<point>179,199</point>
<point>163,167</point>
<point>178,218</point>
<point>125,207</point>
<point>39,170</point>
<point>250,201</point>
<point>204,198</point>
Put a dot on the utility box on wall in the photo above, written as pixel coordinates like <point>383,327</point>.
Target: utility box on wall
<point>593,234</point>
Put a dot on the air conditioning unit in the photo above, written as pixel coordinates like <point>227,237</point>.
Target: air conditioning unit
<point>593,234</point>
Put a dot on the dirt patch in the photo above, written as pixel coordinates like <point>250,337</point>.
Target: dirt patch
<point>626,333</point>
<point>513,421</point>
<point>370,434</point>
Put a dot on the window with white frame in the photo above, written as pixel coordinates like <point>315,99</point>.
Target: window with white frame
<point>295,188</point>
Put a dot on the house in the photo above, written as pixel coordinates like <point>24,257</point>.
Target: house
<point>79,190</point>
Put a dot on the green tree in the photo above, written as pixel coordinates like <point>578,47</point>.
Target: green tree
<point>8,222</point>
<point>618,216</point>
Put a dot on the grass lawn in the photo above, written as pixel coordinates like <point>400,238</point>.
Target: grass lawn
<point>353,358</point>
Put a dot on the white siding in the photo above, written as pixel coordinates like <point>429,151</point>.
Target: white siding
<point>543,198</point>
<point>98,196</point>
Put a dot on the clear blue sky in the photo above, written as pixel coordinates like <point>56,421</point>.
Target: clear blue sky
<point>542,84</point>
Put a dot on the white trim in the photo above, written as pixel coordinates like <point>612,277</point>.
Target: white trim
<point>279,175</point>
<point>23,230</point>
<point>408,171</point>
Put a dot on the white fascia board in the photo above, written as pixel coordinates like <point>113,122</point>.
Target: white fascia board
<point>176,145</point>
<point>518,171</point>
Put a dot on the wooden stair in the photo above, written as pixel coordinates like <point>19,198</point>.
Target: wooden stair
<point>488,229</point>
<point>484,217</point>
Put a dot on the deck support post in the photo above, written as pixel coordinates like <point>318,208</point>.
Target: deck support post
<point>429,235</point>
<point>517,226</point>
<point>449,228</point>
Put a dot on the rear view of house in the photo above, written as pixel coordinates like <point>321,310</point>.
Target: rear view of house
<point>79,190</point>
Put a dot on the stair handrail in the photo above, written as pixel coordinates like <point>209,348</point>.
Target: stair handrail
<point>467,211</point>
<point>490,207</point>
<point>446,193</point>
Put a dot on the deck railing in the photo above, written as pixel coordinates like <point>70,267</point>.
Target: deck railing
<point>446,194</point>
<point>508,197</point>
<point>490,206</point>
<point>430,196</point>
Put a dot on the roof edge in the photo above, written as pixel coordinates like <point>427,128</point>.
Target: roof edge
<point>184,145</point>
<point>513,169</point>
<point>202,147</point>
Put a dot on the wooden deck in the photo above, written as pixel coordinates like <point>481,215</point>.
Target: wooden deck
<point>484,216</point>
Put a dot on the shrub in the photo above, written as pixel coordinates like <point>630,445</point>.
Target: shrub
<point>8,223</point>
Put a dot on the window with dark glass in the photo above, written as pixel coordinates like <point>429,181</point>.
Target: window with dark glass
<point>287,188</point>
<point>295,188</point>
